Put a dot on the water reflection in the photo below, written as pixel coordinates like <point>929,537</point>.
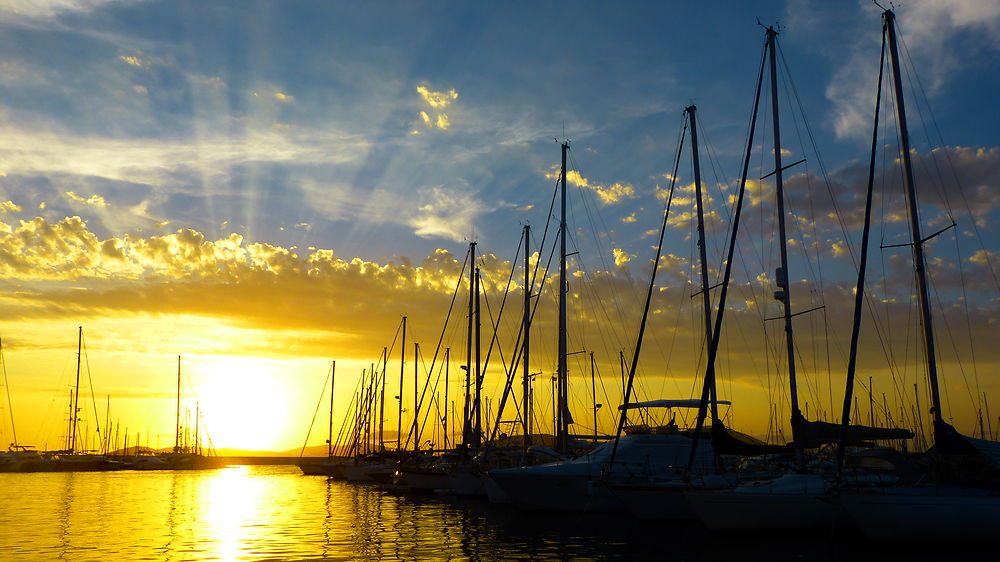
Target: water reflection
<point>254,513</point>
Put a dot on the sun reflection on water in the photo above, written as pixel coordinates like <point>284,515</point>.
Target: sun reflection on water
<point>229,502</point>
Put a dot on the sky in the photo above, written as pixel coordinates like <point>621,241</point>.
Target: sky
<point>265,187</point>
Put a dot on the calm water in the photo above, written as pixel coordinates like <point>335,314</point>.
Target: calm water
<point>274,513</point>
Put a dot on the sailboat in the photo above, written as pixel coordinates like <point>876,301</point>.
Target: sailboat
<point>329,468</point>
<point>959,499</point>
<point>184,456</point>
<point>796,499</point>
<point>577,484</point>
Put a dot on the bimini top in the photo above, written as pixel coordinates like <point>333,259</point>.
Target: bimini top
<point>686,403</point>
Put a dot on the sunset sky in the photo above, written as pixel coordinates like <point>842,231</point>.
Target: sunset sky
<point>266,187</point>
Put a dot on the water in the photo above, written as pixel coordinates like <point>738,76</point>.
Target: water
<point>275,513</point>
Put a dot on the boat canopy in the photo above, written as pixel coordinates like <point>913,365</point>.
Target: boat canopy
<point>817,433</point>
<point>689,403</point>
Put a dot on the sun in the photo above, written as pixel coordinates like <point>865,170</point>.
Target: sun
<point>243,403</point>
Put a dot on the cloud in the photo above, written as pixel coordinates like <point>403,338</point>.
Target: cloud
<point>95,200</point>
<point>9,206</point>
<point>283,97</point>
<point>437,100</point>
<point>621,257</point>
<point>929,28</point>
<point>134,60</point>
<point>629,219</point>
<point>608,194</point>
<point>51,8</point>
<point>446,213</point>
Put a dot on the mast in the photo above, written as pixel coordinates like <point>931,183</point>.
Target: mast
<point>447,363</point>
<point>177,423</point>
<point>781,276</point>
<point>402,364</point>
<point>329,439</point>
<point>76,392</point>
<point>525,348</point>
<point>197,427</point>
<point>562,407</point>
<point>478,430</point>
<point>467,405</point>
<point>416,395</point>
<point>593,390</point>
<point>381,404</point>
<point>919,264</point>
<point>702,252</point>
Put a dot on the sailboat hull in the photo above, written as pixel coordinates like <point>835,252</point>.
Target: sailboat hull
<point>925,514</point>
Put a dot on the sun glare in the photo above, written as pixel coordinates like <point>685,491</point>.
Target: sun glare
<point>243,402</point>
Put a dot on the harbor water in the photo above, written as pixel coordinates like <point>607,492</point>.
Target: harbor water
<point>275,513</point>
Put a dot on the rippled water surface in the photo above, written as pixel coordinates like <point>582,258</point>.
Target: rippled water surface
<point>275,513</point>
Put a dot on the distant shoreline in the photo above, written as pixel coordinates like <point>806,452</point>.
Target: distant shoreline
<point>265,460</point>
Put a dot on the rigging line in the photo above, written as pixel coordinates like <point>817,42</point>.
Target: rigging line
<point>911,74</point>
<point>819,157</point>
<point>90,381</point>
<point>319,404</point>
<point>444,329</point>
<point>973,398</point>
<point>602,256</point>
<point>951,166</point>
<point>10,408</point>
<point>649,294</point>
<point>511,372</point>
<point>712,157</point>
<point>968,318</point>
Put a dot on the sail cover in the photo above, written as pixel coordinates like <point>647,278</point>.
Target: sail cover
<point>812,434</point>
<point>691,403</point>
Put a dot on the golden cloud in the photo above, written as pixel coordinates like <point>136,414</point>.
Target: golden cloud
<point>283,97</point>
<point>133,61</point>
<point>95,200</point>
<point>437,100</point>
<point>9,206</point>
<point>608,194</point>
<point>621,256</point>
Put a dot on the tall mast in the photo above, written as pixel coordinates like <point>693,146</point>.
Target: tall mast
<point>478,429</point>
<point>781,276</point>
<point>525,348</point>
<point>918,242</point>
<point>416,394</point>
<point>329,439</point>
<point>402,364</point>
<point>447,363</point>
<point>692,111</point>
<point>177,423</point>
<point>467,409</point>
<point>76,392</point>
<point>562,407</point>
<point>381,403</point>
<point>197,427</point>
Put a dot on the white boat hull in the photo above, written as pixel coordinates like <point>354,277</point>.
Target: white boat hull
<point>790,502</point>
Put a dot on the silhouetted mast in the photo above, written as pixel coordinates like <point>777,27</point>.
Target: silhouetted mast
<point>329,439</point>
<point>402,365</point>
<point>702,252</point>
<point>76,393</point>
<point>781,275</point>
<point>562,406</point>
<point>918,242</point>
<point>177,423</point>
<point>525,348</point>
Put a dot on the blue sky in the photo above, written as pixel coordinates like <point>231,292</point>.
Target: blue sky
<point>207,162</point>
<point>266,116</point>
